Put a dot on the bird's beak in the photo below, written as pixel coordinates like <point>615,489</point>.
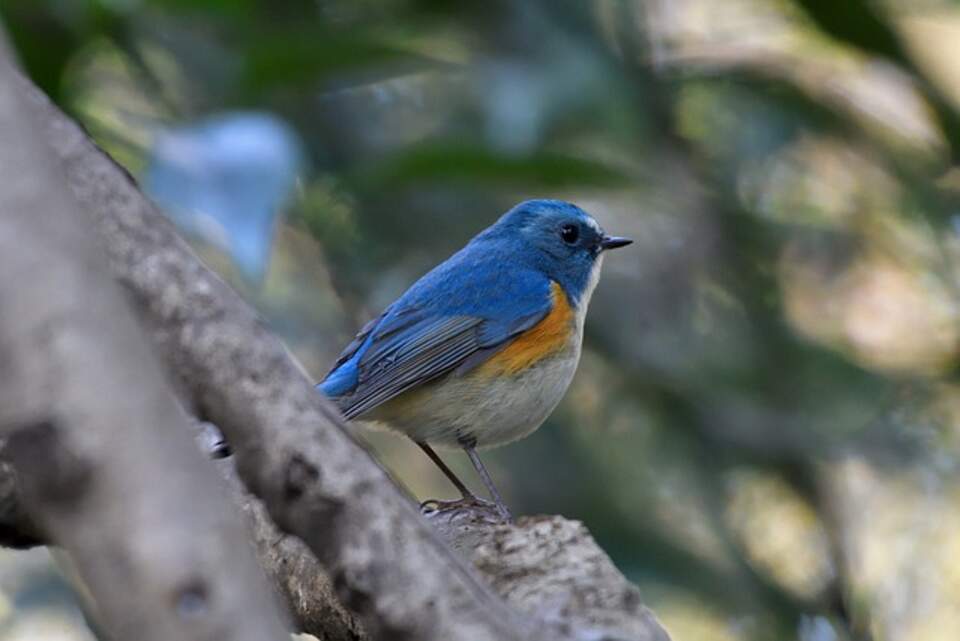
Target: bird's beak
<point>612,242</point>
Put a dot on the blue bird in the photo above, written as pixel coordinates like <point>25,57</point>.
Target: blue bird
<point>480,350</point>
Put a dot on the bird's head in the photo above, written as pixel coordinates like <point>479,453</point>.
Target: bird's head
<point>560,239</point>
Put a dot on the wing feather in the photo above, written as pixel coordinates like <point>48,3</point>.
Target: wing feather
<point>446,323</point>
<point>410,372</point>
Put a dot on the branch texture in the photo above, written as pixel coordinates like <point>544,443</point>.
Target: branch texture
<point>17,529</point>
<point>100,449</point>
<point>547,567</point>
<point>294,570</point>
<point>551,568</point>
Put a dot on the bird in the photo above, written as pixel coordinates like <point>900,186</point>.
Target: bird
<point>479,351</point>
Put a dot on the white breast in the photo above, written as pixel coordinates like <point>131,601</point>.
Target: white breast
<point>494,411</point>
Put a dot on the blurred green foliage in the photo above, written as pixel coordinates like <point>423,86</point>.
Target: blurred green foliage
<point>764,430</point>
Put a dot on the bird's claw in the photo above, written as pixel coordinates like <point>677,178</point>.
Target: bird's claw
<point>486,509</point>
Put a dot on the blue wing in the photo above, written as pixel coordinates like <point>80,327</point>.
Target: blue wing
<point>452,319</point>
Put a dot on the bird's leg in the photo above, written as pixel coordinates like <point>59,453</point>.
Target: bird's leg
<point>482,471</point>
<point>469,501</point>
<point>467,494</point>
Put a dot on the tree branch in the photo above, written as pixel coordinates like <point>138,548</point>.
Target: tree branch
<point>293,569</point>
<point>551,568</point>
<point>100,448</point>
<point>547,567</point>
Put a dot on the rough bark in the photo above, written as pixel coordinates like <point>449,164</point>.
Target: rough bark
<point>547,567</point>
<point>294,570</point>
<point>100,448</point>
<point>292,450</point>
<point>17,529</point>
<point>551,568</point>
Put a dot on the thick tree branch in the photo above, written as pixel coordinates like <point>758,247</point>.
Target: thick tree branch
<point>547,567</point>
<point>295,571</point>
<point>294,452</point>
<point>552,569</point>
<point>99,446</point>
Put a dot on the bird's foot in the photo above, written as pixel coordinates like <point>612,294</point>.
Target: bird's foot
<point>487,510</point>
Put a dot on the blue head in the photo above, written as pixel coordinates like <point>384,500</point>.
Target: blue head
<point>557,238</point>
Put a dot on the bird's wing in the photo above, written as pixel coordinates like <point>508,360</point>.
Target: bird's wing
<point>411,344</point>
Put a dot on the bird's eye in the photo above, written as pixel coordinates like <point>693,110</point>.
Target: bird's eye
<point>569,234</point>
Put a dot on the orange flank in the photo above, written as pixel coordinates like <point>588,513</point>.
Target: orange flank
<point>549,336</point>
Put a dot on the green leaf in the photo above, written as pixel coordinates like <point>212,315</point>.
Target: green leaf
<point>855,22</point>
<point>463,164</point>
<point>314,54</point>
<point>216,7</point>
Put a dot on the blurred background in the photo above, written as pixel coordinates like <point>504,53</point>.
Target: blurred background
<point>764,432</point>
